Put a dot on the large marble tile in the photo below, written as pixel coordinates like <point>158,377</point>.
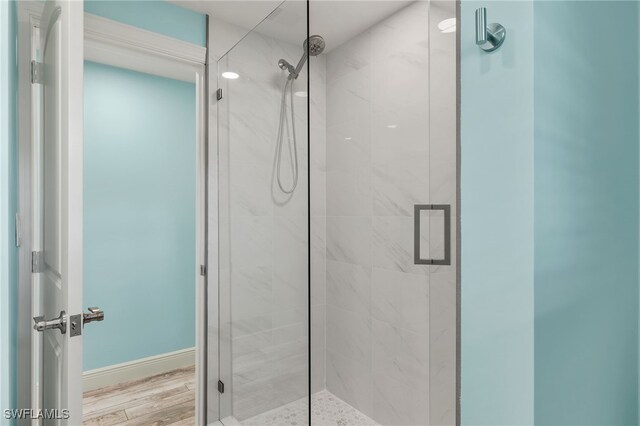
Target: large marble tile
<point>295,204</point>
<point>401,299</point>
<point>349,57</point>
<point>349,287</point>
<point>250,241</point>
<point>253,398</point>
<point>349,334</point>
<point>349,192</point>
<point>400,60</point>
<point>393,244</point>
<point>250,343</point>
<point>349,239</point>
<point>401,354</point>
<point>398,186</point>
<point>401,133</point>
<point>349,96</point>
<point>294,316</point>
<point>251,367</point>
<point>349,143</point>
<point>395,404</point>
<point>249,189</point>
<point>252,299</point>
<point>291,386</point>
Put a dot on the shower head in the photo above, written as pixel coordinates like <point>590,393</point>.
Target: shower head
<point>314,45</point>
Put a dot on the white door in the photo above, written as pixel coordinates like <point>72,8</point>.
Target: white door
<point>60,262</point>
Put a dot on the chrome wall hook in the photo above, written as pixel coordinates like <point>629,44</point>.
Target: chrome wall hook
<point>488,37</point>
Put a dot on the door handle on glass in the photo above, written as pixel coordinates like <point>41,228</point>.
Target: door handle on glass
<point>417,259</point>
<point>60,323</point>
<point>95,314</point>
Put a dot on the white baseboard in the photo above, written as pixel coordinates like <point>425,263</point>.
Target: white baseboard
<point>138,369</point>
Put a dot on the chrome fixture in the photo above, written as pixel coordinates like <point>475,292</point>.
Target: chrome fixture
<point>313,46</point>
<point>75,321</point>
<point>40,324</point>
<point>488,37</point>
<point>95,314</point>
<point>446,210</point>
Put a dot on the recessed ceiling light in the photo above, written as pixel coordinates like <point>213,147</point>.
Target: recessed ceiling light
<point>301,94</point>
<point>447,26</point>
<point>392,126</point>
<point>347,139</point>
<point>230,75</point>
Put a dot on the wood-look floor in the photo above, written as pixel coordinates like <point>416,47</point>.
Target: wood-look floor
<point>166,399</point>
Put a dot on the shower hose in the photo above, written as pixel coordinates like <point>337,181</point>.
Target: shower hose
<point>283,131</point>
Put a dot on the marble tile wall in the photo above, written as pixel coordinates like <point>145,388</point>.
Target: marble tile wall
<point>390,324</point>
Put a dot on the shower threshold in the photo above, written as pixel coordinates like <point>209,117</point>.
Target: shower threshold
<point>326,410</point>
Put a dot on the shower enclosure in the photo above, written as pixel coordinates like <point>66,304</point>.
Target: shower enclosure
<point>334,186</point>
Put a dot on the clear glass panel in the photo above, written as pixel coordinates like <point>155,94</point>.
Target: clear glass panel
<point>383,140</point>
<point>264,221</point>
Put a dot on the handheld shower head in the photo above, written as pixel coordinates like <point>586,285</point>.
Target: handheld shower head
<point>283,64</point>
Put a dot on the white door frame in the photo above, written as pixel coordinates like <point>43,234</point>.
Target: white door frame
<point>112,43</point>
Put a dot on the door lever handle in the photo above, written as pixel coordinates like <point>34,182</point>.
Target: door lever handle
<point>95,314</point>
<point>40,324</point>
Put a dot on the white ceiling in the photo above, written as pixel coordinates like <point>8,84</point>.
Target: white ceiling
<point>335,20</point>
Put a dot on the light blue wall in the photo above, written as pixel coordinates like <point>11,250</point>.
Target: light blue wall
<point>497,219</point>
<point>586,214</point>
<point>552,117</point>
<point>139,214</point>
<point>153,15</point>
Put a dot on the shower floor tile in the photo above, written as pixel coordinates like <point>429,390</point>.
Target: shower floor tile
<point>326,410</point>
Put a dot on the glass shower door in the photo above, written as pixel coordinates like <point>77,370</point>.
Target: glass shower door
<point>263,178</point>
<point>388,299</point>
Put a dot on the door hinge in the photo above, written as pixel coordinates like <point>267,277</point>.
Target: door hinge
<point>219,94</point>
<point>36,262</point>
<point>220,386</point>
<point>18,234</point>
<point>203,270</point>
<point>37,69</point>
